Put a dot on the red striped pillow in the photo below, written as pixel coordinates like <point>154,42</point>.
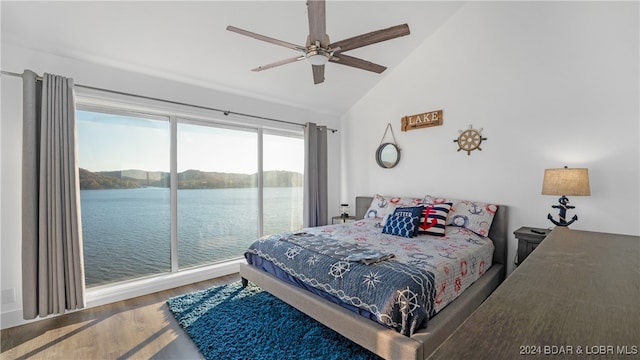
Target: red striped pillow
<point>433,219</point>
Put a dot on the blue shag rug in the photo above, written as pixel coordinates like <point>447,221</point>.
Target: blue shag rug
<point>232,322</point>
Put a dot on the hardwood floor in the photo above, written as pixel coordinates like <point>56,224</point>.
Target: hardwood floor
<point>139,328</point>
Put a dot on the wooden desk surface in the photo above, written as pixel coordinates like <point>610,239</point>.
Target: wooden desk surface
<point>576,296</point>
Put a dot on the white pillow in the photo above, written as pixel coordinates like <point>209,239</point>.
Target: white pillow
<point>473,215</point>
<point>383,205</point>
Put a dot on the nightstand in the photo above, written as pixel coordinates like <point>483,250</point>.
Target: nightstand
<point>341,219</point>
<point>528,239</point>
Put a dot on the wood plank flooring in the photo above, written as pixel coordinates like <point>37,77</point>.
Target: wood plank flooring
<point>139,328</point>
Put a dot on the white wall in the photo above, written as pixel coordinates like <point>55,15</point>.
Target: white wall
<point>16,59</point>
<point>551,84</point>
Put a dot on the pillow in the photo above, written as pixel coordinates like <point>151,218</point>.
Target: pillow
<point>403,222</point>
<point>433,219</point>
<point>391,208</point>
<point>383,205</point>
<point>472,215</point>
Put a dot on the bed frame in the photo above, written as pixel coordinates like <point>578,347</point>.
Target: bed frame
<point>380,340</point>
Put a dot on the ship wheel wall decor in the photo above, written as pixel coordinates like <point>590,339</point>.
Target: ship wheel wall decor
<point>470,139</point>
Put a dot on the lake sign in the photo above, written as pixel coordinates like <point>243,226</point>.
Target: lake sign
<point>418,121</point>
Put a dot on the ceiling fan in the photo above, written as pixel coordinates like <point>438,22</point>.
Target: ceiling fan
<point>319,50</point>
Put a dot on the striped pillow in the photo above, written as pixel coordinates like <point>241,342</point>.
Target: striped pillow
<point>433,219</point>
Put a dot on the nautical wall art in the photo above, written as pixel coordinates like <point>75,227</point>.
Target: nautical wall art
<point>470,139</point>
<point>419,121</point>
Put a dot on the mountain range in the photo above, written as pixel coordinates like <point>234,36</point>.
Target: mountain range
<point>189,179</point>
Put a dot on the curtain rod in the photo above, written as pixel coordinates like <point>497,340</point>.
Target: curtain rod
<point>225,112</point>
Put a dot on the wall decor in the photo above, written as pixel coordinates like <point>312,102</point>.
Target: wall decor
<point>469,139</point>
<point>388,153</point>
<point>419,121</point>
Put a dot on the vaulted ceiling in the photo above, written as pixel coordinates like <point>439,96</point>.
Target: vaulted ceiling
<point>188,41</point>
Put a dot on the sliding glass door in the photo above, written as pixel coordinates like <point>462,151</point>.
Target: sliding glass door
<point>283,180</point>
<point>217,193</point>
<point>231,183</point>
<point>125,200</point>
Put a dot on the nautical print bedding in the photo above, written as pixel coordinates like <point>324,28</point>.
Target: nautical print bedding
<point>338,249</point>
<point>413,280</point>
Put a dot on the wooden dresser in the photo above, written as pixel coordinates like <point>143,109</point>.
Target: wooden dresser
<point>577,296</point>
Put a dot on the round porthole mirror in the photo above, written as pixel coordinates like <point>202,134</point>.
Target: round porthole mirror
<point>388,155</point>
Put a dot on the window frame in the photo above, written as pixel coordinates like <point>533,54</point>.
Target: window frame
<point>119,104</point>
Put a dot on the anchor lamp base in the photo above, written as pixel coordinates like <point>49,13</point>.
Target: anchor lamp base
<point>562,214</point>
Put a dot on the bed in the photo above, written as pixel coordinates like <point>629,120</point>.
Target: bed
<point>364,327</point>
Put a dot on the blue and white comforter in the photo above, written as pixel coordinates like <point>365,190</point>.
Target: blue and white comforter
<point>402,282</point>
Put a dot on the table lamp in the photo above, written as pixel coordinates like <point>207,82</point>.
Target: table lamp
<point>563,182</point>
<point>344,210</point>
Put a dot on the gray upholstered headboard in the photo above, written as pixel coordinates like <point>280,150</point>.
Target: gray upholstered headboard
<point>362,204</point>
<point>498,232</point>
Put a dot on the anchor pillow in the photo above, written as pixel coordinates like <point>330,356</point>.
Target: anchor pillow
<point>382,207</point>
<point>473,215</point>
<point>433,219</point>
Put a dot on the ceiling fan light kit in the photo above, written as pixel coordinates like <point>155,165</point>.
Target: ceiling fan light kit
<point>317,55</point>
<point>318,59</point>
<point>319,51</point>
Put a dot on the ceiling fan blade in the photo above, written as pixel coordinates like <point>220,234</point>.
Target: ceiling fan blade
<point>371,38</point>
<point>316,10</point>
<point>318,73</point>
<point>266,38</point>
<point>278,63</point>
<point>357,63</point>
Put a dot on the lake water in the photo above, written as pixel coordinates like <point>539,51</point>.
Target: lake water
<point>127,232</point>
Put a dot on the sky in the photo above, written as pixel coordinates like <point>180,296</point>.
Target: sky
<point>113,142</point>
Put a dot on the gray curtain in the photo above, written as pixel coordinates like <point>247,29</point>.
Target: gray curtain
<point>315,175</point>
<point>52,261</point>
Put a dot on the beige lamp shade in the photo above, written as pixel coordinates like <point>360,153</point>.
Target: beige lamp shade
<point>566,181</point>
